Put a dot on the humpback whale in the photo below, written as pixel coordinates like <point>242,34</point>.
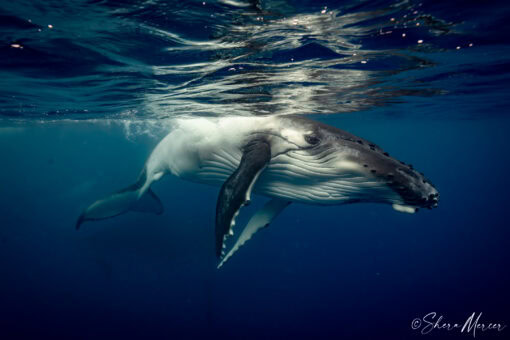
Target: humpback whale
<point>286,158</point>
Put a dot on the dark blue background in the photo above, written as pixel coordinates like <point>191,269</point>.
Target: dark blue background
<point>80,111</point>
<point>357,271</point>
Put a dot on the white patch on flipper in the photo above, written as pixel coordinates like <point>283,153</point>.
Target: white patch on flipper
<point>246,199</point>
<point>261,218</point>
<point>248,192</point>
<point>233,222</point>
<point>404,208</point>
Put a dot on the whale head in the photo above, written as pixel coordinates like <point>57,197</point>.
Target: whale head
<point>331,166</point>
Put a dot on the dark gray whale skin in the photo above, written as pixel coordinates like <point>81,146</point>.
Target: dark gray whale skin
<point>411,185</point>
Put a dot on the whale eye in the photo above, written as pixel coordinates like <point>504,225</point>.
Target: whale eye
<point>312,139</point>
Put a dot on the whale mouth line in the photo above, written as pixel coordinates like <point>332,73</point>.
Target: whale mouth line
<point>412,206</point>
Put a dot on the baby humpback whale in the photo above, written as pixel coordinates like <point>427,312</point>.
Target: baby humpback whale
<point>287,158</point>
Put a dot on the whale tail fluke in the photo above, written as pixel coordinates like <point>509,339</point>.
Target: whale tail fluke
<point>136,197</point>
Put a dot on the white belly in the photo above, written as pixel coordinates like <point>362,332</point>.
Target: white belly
<point>286,179</point>
<point>209,151</point>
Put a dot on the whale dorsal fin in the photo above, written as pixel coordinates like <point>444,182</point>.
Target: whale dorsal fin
<point>236,190</point>
<point>259,220</point>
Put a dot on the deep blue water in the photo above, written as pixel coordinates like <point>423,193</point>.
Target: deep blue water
<point>88,88</point>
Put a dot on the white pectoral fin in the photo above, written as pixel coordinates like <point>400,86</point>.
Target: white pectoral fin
<point>258,221</point>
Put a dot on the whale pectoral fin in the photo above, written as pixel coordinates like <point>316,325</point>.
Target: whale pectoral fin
<point>132,198</point>
<point>259,220</point>
<point>236,190</point>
